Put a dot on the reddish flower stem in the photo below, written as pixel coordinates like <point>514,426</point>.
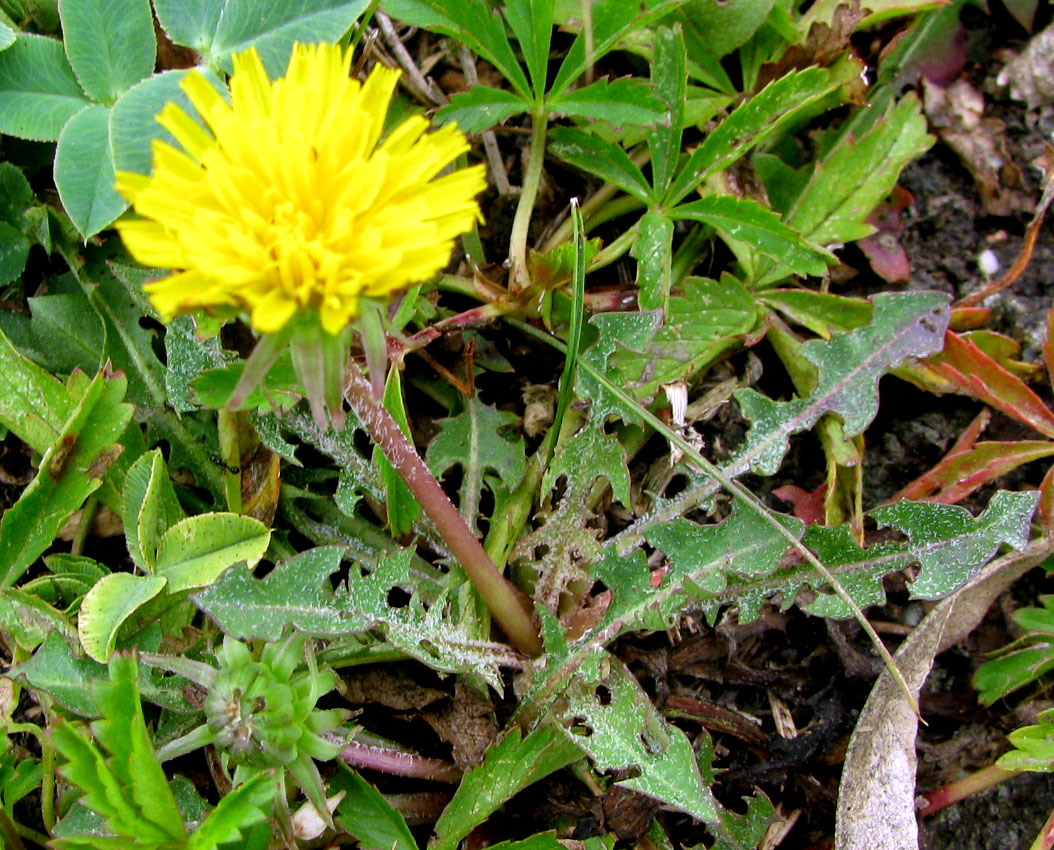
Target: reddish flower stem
<point>507,604</point>
<point>399,764</point>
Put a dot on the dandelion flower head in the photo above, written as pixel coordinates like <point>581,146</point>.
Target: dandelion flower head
<point>288,203</point>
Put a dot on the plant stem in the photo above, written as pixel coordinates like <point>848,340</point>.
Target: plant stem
<point>532,180</point>
<point>230,454</point>
<point>975,783</point>
<point>1045,839</point>
<point>398,763</point>
<point>508,605</point>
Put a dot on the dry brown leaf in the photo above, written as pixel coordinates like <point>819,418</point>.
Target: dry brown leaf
<point>876,799</point>
<point>957,114</point>
<point>1031,75</point>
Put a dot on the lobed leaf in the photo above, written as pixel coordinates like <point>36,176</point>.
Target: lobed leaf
<point>754,121</point>
<point>747,221</point>
<point>475,441</point>
<point>851,180</point>
<point>703,320</point>
<point>472,23</point>
<point>653,252</point>
<point>297,593</point>
<point>614,722</point>
<point>613,20</point>
<point>669,78</point>
<point>600,158</point>
<point>849,366</point>
<point>481,107</point>
<point>531,21</point>
<point>128,788</point>
<point>618,102</point>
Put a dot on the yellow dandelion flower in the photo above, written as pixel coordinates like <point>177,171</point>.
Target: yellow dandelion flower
<point>288,204</point>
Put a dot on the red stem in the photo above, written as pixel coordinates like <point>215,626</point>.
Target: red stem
<point>507,604</point>
<point>400,764</point>
<point>975,783</point>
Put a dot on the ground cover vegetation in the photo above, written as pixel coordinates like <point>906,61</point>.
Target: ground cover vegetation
<point>384,446</point>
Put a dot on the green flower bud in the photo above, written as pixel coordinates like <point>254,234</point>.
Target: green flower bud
<point>262,713</point>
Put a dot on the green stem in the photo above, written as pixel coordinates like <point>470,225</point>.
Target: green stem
<point>230,453</point>
<point>508,605</point>
<point>519,278</point>
<point>613,251</point>
<point>505,529</point>
<point>47,766</point>
<point>47,783</point>
<point>8,832</point>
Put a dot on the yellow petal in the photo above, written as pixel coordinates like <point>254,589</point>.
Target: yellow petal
<point>151,244</point>
<point>194,138</point>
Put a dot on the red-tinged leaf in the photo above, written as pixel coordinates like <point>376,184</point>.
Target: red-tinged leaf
<point>1046,502</point>
<point>808,507</point>
<point>1048,346</point>
<point>1004,350</point>
<point>969,318</point>
<point>960,473</point>
<point>972,433</point>
<point>964,368</point>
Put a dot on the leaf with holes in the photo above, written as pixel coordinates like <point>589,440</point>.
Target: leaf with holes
<point>297,594</point>
<point>612,719</point>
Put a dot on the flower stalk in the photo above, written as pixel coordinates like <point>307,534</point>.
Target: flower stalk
<point>507,604</point>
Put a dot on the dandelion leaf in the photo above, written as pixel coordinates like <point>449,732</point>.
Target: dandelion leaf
<point>298,593</point>
<point>848,365</point>
<point>481,441</point>
<point>610,718</point>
